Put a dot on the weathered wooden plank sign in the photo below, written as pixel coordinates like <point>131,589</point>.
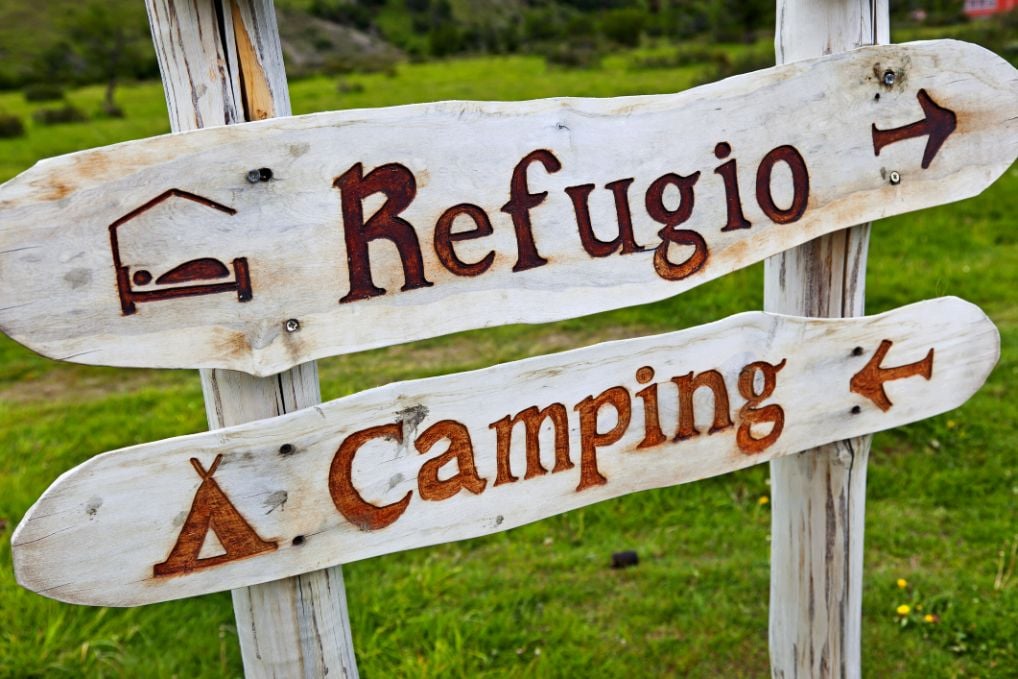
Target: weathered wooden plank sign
<point>458,456</point>
<point>255,247</point>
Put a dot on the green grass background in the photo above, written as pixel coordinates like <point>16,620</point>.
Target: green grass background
<point>540,600</point>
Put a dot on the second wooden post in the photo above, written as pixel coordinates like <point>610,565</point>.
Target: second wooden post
<point>819,496</point>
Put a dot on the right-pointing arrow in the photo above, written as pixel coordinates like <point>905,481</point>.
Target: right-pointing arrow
<point>869,381</point>
<point>939,123</point>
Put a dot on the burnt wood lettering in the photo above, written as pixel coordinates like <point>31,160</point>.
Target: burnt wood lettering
<point>532,419</point>
<point>521,202</point>
<point>348,501</point>
<point>594,246</point>
<point>733,202</point>
<point>652,434</point>
<point>672,218</point>
<point>753,413</point>
<point>591,438</point>
<point>800,185</point>
<point>398,185</point>
<point>688,384</point>
<point>460,452</point>
<point>444,238</point>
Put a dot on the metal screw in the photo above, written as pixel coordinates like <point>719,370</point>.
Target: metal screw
<point>895,177</point>
<point>889,77</point>
<point>262,174</point>
<point>292,325</point>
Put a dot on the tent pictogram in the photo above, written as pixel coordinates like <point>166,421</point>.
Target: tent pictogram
<point>211,509</point>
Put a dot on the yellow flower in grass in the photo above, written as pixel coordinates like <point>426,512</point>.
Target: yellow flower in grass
<point>763,500</point>
<point>902,583</point>
<point>904,609</point>
<point>929,617</point>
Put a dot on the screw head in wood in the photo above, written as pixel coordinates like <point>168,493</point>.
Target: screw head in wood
<point>261,174</point>
<point>889,77</point>
<point>895,177</point>
<point>292,325</point>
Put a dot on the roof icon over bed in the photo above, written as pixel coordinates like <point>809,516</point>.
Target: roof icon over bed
<point>203,275</point>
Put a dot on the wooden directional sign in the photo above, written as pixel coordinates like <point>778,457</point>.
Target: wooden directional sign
<point>255,247</point>
<point>458,456</point>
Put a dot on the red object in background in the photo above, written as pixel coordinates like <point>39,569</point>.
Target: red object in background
<point>981,8</point>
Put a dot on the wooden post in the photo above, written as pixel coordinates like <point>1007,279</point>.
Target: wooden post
<point>222,63</point>
<point>818,497</point>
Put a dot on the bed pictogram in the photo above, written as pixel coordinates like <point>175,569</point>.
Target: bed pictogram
<point>194,277</point>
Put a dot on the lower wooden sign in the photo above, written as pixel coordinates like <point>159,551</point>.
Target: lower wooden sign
<point>458,456</point>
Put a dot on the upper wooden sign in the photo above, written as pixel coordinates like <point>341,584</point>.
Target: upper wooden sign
<point>452,457</point>
<point>255,247</point>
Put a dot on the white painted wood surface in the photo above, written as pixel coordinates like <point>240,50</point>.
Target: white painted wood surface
<point>60,287</point>
<point>819,497</point>
<point>97,534</point>
<point>297,626</point>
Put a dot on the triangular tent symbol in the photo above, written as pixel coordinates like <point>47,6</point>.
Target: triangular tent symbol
<point>211,509</point>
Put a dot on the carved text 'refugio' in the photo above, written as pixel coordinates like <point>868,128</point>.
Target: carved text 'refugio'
<point>669,201</point>
<point>397,185</point>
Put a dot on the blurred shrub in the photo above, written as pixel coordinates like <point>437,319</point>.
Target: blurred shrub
<point>686,55</point>
<point>345,86</point>
<point>358,15</point>
<point>110,110</point>
<point>746,62</point>
<point>365,62</point>
<point>446,39</point>
<point>43,91</point>
<point>64,114</point>
<point>624,26</point>
<point>11,126</point>
<point>582,53</point>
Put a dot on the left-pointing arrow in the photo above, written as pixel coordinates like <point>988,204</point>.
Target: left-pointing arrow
<point>939,123</point>
<point>869,381</point>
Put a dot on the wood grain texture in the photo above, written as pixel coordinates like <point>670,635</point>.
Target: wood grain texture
<point>428,461</point>
<point>300,236</point>
<point>819,497</point>
<point>222,64</point>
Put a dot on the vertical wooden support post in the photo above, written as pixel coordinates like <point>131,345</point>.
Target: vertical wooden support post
<point>222,63</point>
<point>818,507</point>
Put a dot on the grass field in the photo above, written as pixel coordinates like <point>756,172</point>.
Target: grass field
<point>541,600</point>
